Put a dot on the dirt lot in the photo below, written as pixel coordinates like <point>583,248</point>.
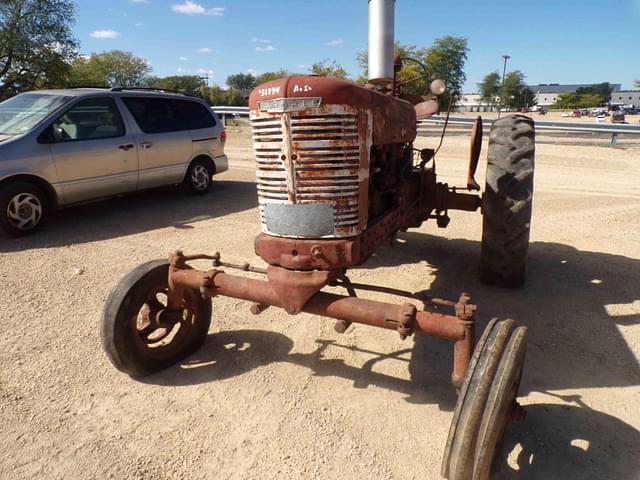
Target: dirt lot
<point>278,397</point>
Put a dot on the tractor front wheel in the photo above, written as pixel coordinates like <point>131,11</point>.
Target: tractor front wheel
<point>486,402</point>
<point>134,339</point>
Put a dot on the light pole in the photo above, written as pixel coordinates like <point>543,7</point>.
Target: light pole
<point>504,71</point>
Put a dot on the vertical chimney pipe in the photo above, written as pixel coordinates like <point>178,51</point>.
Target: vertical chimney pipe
<point>381,40</point>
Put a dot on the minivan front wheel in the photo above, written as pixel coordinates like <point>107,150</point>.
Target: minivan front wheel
<point>198,178</point>
<point>22,208</point>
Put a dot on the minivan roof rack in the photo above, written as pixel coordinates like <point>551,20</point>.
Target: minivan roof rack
<point>149,89</point>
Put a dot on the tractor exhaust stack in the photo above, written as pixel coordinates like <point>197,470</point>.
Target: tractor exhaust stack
<point>381,40</point>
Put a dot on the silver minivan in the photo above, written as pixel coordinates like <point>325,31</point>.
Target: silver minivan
<point>62,147</point>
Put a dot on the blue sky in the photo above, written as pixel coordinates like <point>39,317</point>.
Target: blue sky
<point>551,41</point>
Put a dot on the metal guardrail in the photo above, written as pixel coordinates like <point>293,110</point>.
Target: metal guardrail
<point>614,129</point>
<point>224,112</point>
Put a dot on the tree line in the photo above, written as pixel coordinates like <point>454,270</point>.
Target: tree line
<point>38,50</point>
<point>515,94</point>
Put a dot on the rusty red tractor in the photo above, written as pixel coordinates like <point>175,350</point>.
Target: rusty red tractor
<point>337,176</point>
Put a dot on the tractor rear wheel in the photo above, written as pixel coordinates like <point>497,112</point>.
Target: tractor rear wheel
<point>507,202</point>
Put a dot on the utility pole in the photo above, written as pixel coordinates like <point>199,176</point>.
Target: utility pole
<point>205,84</point>
<point>504,71</point>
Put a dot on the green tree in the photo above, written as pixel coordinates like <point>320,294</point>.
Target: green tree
<point>445,59</point>
<point>515,94</point>
<point>595,95</point>
<point>328,68</point>
<point>490,88</point>
<point>215,96</point>
<point>571,100</point>
<point>183,83</point>
<point>110,69</point>
<point>244,82</point>
<point>637,82</point>
<point>567,101</point>
<point>601,89</point>
<point>268,76</point>
<point>36,43</point>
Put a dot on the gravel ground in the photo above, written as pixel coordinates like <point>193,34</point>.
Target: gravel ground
<point>286,397</point>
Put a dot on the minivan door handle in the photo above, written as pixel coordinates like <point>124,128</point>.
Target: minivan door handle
<point>126,146</point>
<point>146,145</point>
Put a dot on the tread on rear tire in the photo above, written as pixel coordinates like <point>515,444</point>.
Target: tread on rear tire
<point>507,202</point>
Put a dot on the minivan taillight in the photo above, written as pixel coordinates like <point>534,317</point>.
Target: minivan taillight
<point>223,136</point>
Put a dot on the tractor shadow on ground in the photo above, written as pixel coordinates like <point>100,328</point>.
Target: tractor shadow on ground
<point>225,355</point>
<point>136,213</point>
<point>573,303</point>
<point>232,353</point>
<point>568,441</point>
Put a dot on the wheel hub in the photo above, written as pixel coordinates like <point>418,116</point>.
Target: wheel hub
<point>158,327</point>
<point>200,177</point>
<point>24,211</point>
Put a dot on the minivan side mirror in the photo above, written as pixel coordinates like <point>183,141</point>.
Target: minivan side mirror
<point>51,134</point>
<point>58,134</point>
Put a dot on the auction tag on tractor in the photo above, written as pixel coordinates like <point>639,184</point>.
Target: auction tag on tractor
<point>281,105</point>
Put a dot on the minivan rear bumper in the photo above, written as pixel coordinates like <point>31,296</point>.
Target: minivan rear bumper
<point>222,163</point>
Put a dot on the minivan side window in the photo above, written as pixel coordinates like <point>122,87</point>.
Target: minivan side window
<point>161,115</point>
<point>90,119</point>
<point>154,115</point>
<point>195,114</point>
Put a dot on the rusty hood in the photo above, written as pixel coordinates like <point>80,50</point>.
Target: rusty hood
<point>393,119</point>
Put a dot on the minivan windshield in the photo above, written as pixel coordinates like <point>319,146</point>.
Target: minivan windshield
<point>21,113</point>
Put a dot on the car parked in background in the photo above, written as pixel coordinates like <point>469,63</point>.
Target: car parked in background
<point>63,147</point>
<point>618,117</point>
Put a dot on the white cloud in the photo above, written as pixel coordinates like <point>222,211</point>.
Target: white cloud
<point>204,50</point>
<point>191,8</point>
<point>335,43</point>
<point>108,34</point>
<point>259,40</point>
<point>303,65</point>
<point>184,59</point>
<point>253,72</point>
<point>268,48</point>
<point>198,71</point>
<point>139,24</point>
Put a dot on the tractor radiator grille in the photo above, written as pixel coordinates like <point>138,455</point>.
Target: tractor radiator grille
<point>310,159</point>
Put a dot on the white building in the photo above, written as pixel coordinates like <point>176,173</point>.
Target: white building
<point>546,95</point>
<point>626,97</point>
<point>472,102</point>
